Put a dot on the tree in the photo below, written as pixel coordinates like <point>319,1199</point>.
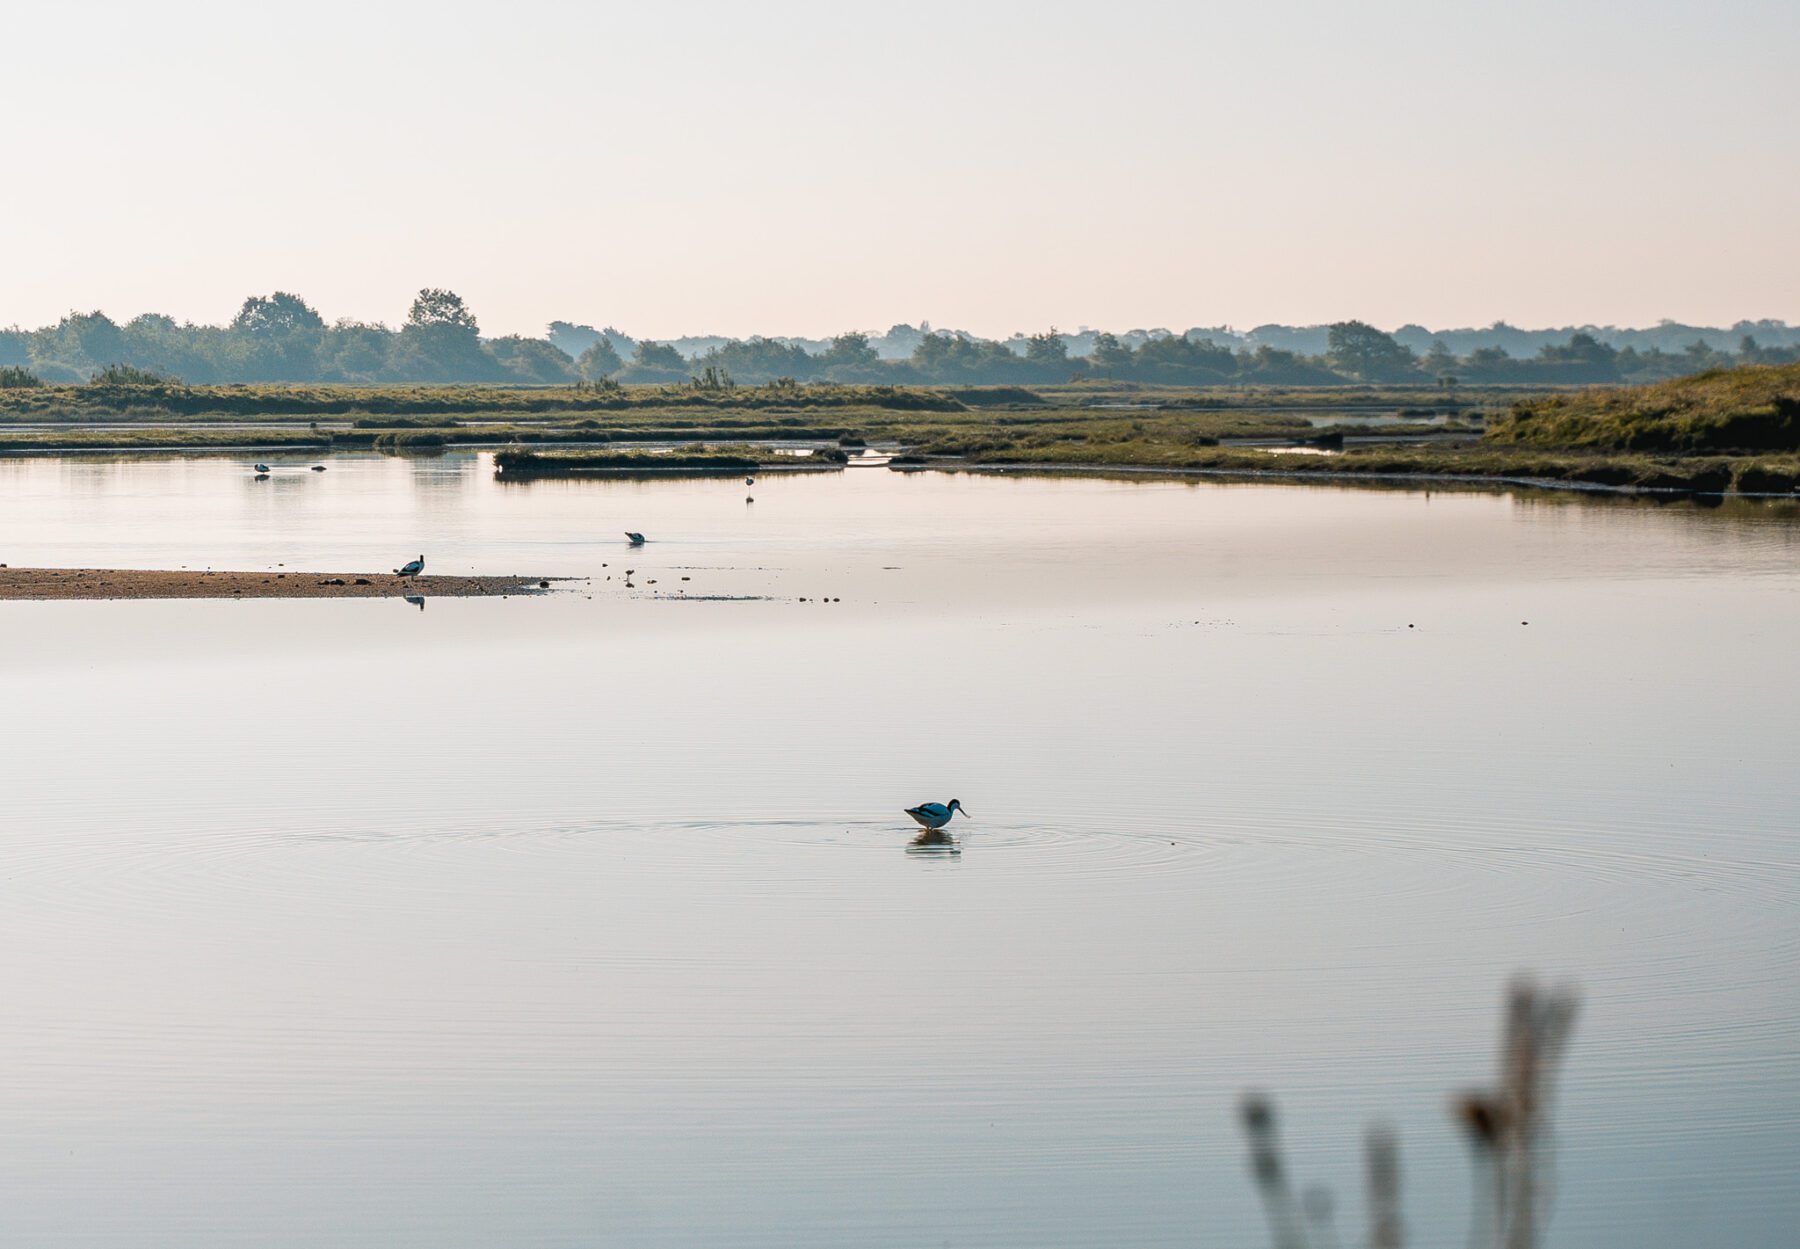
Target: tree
<point>81,340</point>
<point>1048,351</point>
<point>355,351</point>
<point>192,352</point>
<point>1490,364</point>
<point>533,360</point>
<point>1362,352</point>
<point>15,347</point>
<point>599,360</point>
<point>277,338</point>
<point>571,338</point>
<point>436,307</point>
<point>1110,355</point>
<point>1438,361</point>
<point>850,351</point>
<point>277,316</point>
<point>942,357</point>
<point>760,360</point>
<point>653,355</point>
<point>442,342</point>
<point>1181,360</point>
<point>655,362</point>
<point>1278,366</point>
<point>1583,358</point>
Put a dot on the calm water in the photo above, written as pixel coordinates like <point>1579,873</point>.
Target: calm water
<point>590,919</point>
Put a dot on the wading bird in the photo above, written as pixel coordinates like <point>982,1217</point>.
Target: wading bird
<point>935,814</point>
<point>637,539</point>
<point>749,481</point>
<point>411,570</point>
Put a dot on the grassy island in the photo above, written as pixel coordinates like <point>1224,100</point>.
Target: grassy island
<point>1725,430</point>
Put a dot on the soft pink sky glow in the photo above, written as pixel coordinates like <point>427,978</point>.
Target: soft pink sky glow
<point>806,168</point>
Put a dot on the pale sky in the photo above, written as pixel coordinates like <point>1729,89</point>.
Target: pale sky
<point>803,168</point>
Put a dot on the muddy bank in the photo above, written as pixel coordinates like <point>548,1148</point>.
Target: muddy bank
<point>129,583</point>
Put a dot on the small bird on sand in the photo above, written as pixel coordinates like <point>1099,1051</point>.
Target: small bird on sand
<point>637,539</point>
<point>935,814</point>
<point>412,569</point>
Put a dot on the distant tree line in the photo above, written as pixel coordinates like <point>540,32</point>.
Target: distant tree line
<point>281,338</point>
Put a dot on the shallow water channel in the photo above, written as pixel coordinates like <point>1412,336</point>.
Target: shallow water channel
<point>592,918</point>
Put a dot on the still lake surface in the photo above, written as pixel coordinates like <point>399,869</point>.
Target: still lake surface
<point>590,918</point>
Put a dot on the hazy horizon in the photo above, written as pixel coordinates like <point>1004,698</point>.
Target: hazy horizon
<point>539,329</point>
<point>805,168</point>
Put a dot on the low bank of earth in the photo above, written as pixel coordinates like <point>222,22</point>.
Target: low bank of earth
<point>140,583</point>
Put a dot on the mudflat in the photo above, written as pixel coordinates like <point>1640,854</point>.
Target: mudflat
<point>129,583</point>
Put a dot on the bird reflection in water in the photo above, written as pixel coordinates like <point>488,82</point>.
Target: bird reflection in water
<point>417,600</point>
<point>934,843</point>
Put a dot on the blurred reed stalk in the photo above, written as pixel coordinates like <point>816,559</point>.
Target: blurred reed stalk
<point>1509,1128</point>
<point>1381,1154</point>
<point>1257,1114</point>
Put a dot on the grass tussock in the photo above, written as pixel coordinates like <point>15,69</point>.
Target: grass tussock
<point>1752,409</point>
<point>520,463</point>
<point>1684,474</point>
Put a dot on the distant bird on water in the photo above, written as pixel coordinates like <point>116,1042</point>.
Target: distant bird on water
<point>637,539</point>
<point>413,569</point>
<point>935,814</point>
<point>261,468</point>
<point>749,481</point>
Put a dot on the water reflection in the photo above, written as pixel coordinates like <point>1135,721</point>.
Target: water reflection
<point>934,842</point>
<point>1251,824</point>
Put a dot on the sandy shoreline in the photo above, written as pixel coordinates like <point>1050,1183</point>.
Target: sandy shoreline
<point>138,583</point>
